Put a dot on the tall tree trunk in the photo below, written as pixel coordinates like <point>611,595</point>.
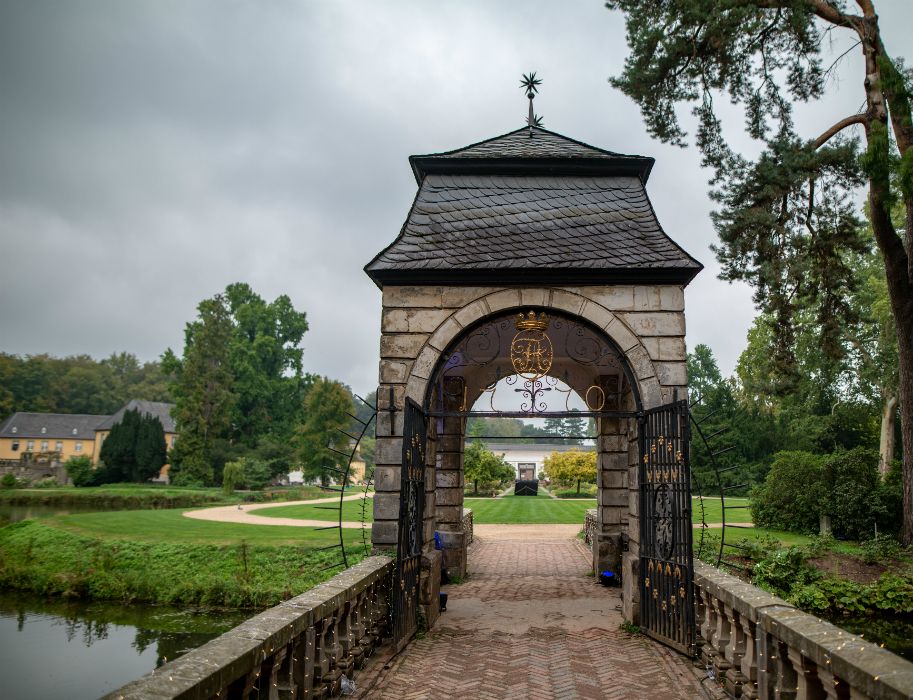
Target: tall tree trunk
<point>886,444</point>
<point>898,260</point>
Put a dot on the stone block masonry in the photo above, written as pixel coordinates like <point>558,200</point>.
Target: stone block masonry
<point>646,322</point>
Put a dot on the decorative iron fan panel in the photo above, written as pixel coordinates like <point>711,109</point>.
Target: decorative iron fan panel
<point>666,564</point>
<point>411,513</point>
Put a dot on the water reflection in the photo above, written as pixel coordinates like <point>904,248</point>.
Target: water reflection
<point>60,649</point>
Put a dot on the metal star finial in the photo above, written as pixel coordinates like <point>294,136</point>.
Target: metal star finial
<point>531,84</point>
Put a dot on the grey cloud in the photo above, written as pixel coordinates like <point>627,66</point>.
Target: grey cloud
<point>153,152</point>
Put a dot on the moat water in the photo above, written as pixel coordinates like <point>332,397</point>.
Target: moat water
<point>56,649</point>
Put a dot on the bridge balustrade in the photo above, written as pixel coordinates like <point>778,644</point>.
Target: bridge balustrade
<point>299,649</point>
<point>759,646</point>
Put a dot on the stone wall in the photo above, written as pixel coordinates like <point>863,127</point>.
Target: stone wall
<point>759,646</point>
<point>298,649</point>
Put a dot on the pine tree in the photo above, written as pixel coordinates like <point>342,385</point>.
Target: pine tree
<point>150,450</point>
<point>118,451</point>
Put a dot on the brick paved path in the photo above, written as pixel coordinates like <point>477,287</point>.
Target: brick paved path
<point>529,623</point>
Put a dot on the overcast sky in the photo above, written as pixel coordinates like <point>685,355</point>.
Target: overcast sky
<point>153,152</point>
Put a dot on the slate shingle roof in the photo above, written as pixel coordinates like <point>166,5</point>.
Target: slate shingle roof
<point>57,426</point>
<point>160,410</point>
<point>512,207</point>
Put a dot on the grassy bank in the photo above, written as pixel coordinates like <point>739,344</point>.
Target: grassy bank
<point>162,557</point>
<point>116,496</point>
<point>136,496</point>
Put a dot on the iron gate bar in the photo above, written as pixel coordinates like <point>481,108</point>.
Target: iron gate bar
<point>410,530</point>
<point>528,414</point>
<point>666,558</point>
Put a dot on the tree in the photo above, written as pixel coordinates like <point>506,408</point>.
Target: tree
<point>151,452</point>
<point>786,223</point>
<point>482,466</point>
<point>264,356</point>
<point>568,467</point>
<point>232,476</point>
<point>118,451</point>
<point>320,441</point>
<point>203,388</point>
<point>134,449</point>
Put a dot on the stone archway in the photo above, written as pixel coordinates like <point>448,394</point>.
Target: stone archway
<point>644,322</point>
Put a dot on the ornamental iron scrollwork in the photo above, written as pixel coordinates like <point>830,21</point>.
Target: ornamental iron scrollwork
<point>531,363</point>
<point>666,560</point>
<point>411,520</point>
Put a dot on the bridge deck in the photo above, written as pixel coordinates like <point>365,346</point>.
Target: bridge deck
<point>529,623</point>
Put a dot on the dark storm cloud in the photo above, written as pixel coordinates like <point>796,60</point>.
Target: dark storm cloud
<point>153,152</point>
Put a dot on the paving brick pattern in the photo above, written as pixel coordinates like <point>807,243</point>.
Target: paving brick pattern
<point>529,623</point>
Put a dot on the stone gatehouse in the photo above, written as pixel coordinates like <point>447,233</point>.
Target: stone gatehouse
<point>530,222</point>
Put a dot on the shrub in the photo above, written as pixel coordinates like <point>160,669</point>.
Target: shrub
<point>233,476</point>
<point>8,481</point>
<point>49,482</point>
<point>789,498</point>
<point>257,473</point>
<point>80,470</point>
<point>880,549</point>
<point>891,494</point>
<point>851,493</point>
<point>783,570</point>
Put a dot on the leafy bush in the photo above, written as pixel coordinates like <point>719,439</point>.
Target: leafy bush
<point>783,570</point>
<point>880,549</point>
<point>257,473</point>
<point>47,483</point>
<point>851,493</point>
<point>789,498</point>
<point>891,495</point>
<point>8,481</point>
<point>80,470</point>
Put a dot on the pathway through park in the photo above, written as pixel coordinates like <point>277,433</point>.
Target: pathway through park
<point>529,624</point>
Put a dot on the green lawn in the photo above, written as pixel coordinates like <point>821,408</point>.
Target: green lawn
<point>523,509</point>
<point>351,511</point>
<point>509,509</point>
<point>172,527</point>
<point>713,511</point>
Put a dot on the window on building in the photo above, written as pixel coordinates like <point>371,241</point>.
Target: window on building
<point>78,447</point>
<point>15,430</point>
<point>173,437</point>
<point>30,446</point>
<point>44,430</point>
<point>44,445</point>
<point>58,445</point>
<point>15,445</point>
<point>75,431</point>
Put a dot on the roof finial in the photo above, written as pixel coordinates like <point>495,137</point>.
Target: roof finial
<point>531,84</point>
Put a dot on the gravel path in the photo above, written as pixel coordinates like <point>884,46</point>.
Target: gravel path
<point>246,513</point>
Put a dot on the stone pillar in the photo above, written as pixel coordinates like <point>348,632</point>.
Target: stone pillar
<point>449,480</point>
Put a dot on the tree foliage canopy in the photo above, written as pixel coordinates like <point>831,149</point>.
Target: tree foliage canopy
<point>785,220</point>
<point>77,384</point>
<point>570,467</point>
<point>482,466</point>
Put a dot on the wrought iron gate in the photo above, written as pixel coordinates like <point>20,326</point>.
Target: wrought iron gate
<point>666,565</point>
<point>411,514</point>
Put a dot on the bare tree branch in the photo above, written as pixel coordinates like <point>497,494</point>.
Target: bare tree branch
<point>838,127</point>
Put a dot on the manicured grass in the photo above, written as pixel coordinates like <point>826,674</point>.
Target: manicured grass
<point>172,527</point>
<point>523,509</point>
<point>713,511</point>
<point>351,511</point>
<point>115,496</point>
